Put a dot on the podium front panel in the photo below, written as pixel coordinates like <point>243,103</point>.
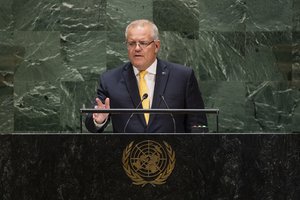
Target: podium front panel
<point>116,166</point>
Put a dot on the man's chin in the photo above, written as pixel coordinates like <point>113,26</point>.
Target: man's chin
<point>138,65</point>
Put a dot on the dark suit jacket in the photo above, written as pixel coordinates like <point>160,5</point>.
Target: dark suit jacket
<point>175,82</point>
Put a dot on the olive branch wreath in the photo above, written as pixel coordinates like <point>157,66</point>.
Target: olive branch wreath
<point>137,179</point>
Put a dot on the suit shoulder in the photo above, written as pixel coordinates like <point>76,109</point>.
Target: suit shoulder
<point>115,71</point>
<point>178,67</point>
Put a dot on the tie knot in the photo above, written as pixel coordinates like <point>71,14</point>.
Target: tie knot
<point>143,73</point>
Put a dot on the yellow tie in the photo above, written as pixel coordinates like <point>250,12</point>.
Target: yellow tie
<point>143,89</point>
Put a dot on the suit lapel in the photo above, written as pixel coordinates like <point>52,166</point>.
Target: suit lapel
<point>131,84</point>
<point>161,79</point>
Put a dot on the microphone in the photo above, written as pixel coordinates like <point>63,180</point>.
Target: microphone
<point>171,114</point>
<point>145,96</point>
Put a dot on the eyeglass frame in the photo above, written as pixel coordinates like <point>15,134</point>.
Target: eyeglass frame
<point>141,44</point>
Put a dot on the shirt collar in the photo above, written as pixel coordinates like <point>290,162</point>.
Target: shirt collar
<point>150,70</point>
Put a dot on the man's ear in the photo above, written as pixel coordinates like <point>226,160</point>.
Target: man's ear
<point>157,46</point>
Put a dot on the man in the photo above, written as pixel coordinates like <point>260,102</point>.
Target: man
<point>147,82</point>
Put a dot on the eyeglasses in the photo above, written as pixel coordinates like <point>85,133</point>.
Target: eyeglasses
<point>142,44</point>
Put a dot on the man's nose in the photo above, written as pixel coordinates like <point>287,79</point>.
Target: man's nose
<point>137,47</point>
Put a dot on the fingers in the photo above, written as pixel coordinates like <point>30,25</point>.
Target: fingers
<point>99,103</point>
<point>101,117</point>
<point>107,103</point>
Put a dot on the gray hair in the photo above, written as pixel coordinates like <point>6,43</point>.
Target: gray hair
<point>142,23</point>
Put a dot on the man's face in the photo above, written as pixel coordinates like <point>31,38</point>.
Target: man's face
<point>142,57</point>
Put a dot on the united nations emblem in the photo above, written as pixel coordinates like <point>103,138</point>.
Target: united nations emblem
<point>148,162</point>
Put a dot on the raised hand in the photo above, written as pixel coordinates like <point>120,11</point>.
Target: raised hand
<point>99,118</point>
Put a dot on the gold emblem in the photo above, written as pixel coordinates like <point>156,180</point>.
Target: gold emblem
<point>148,162</point>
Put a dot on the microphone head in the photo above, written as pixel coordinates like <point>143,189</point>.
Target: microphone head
<point>162,97</point>
<point>145,96</point>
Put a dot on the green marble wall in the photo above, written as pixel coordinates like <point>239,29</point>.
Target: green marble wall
<point>246,54</point>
